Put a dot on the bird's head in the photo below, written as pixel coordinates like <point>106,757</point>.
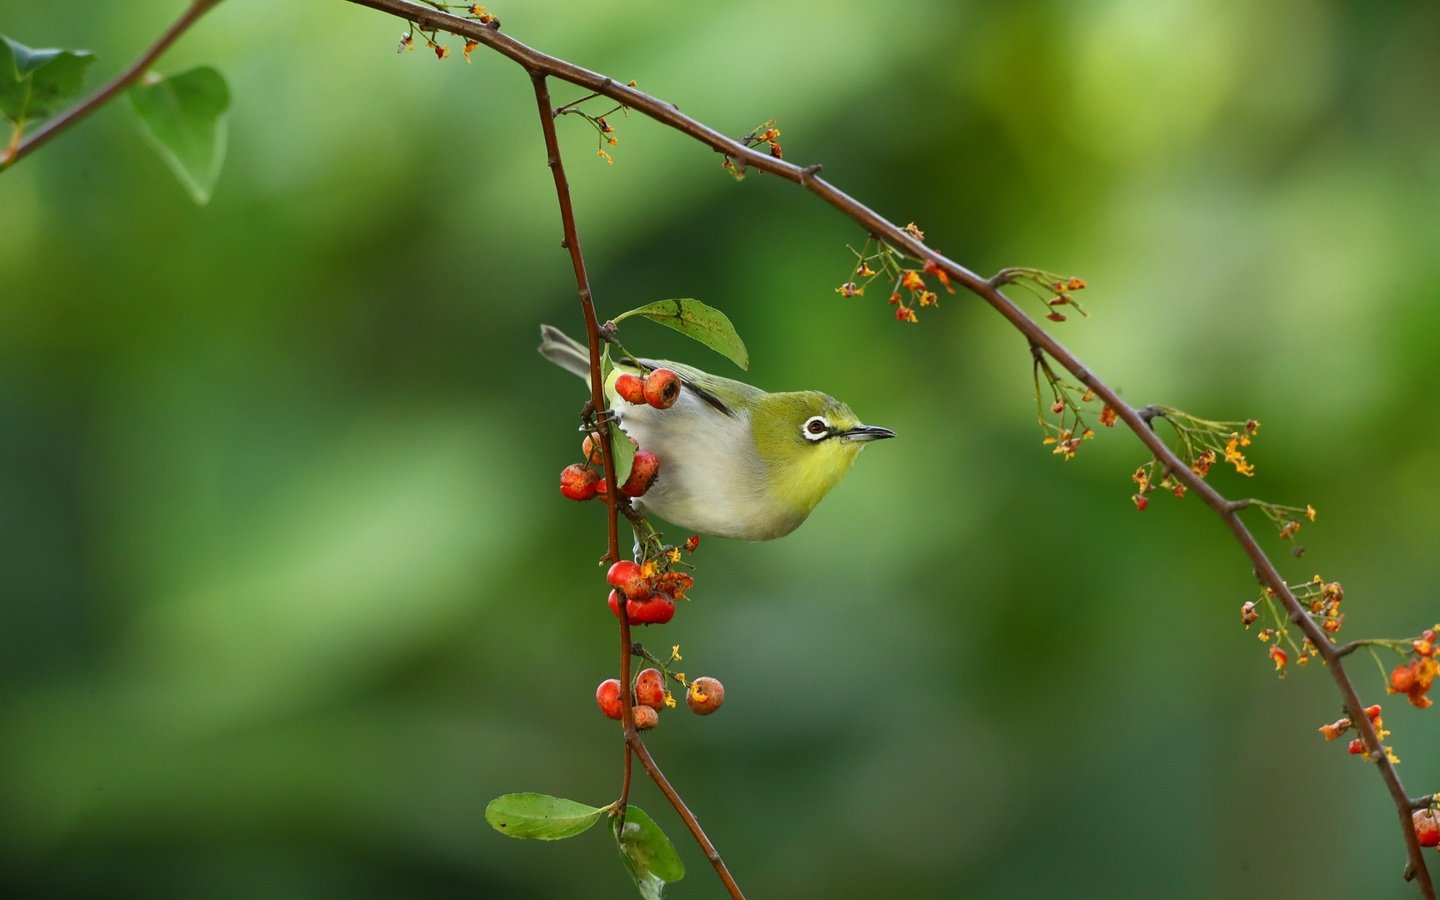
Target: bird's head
<point>807,441</point>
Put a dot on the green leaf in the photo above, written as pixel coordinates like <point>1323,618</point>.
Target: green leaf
<point>35,84</point>
<point>704,323</point>
<point>183,118</point>
<point>648,854</point>
<point>541,816</point>
<point>622,452</point>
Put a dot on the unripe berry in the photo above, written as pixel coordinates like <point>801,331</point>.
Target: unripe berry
<point>631,388</point>
<point>1427,827</point>
<point>656,609</point>
<point>645,717</point>
<point>642,474</point>
<point>607,697</point>
<point>650,689</point>
<point>662,388</point>
<point>628,577</point>
<point>706,694</point>
<point>578,482</point>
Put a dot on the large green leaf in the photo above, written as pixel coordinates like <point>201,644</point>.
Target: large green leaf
<point>541,816</point>
<point>648,854</point>
<point>183,118</point>
<point>704,323</point>
<point>35,84</point>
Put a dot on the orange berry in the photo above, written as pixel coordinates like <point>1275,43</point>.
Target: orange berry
<point>631,388</point>
<point>642,474</point>
<point>645,717</point>
<point>607,697</point>
<point>578,482</point>
<point>628,577</point>
<point>1402,680</point>
<point>1427,827</point>
<point>650,689</point>
<point>662,388</point>
<point>656,609</point>
<point>1373,712</point>
<point>706,695</point>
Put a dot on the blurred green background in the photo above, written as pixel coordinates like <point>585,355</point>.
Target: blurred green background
<point>289,592</point>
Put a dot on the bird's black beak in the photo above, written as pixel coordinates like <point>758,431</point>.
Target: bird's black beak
<point>866,433</point>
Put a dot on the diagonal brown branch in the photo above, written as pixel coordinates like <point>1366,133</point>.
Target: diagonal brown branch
<point>988,290</point>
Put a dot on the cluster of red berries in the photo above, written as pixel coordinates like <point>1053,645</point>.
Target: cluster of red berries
<point>584,481</point>
<point>704,695</point>
<point>649,596</point>
<point>1413,679</point>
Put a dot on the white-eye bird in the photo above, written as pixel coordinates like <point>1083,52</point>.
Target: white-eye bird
<point>735,461</point>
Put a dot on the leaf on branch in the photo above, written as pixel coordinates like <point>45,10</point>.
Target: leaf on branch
<point>183,118</point>
<point>700,321</point>
<point>35,84</point>
<point>623,454</point>
<point>541,816</point>
<point>648,854</point>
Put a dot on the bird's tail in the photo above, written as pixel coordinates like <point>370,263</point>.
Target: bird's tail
<point>564,351</point>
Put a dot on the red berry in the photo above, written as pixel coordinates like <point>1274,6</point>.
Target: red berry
<point>578,482</point>
<point>1402,680</point>
<point>656,609</point>
<point>1357,747</point>
<point>645,717</point>
<point>590,447</point>
<point>662,388</point>
<point>1373,712</point>
<point>706,694</point>
<point>1427,827</point>
<point>642,474</point>
<point>607,697</point>
<point>631,388</point>
<point>650,689</point>
<point>602,487</point>
<point>614,602</point>
<point>630,579</point>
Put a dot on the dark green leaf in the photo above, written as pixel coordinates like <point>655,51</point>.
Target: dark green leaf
<point>35,84</point>
<point>541,816</point>
<point>704,323</point>
<point>648,854</point>
<point>623,452</point>
<point>183,118</point>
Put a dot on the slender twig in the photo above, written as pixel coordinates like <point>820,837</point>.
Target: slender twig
<point>691,822</point>
<point>633,742</point>
<point>82,109</point>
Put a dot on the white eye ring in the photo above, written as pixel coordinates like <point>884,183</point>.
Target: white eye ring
<point>816,428</point>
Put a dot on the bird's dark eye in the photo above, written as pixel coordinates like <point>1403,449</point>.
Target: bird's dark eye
<point>816,428</point>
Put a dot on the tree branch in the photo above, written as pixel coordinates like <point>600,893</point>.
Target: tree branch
<point>1138,420</point>
<point>50,129</point>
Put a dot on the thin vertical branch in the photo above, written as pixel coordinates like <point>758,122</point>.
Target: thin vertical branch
<point>50,129</point>
<point>633,742</point>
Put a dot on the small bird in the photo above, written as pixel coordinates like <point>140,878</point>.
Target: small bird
<point>735,461</point>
